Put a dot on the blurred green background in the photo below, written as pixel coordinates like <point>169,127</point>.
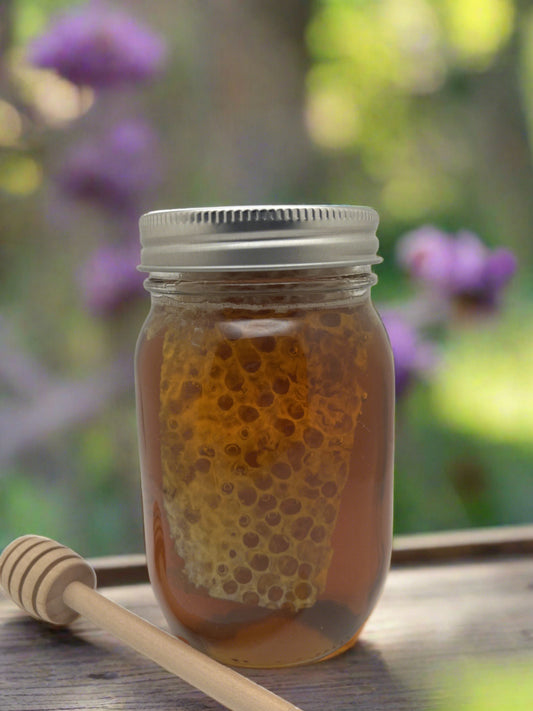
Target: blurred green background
<point>421,108</point>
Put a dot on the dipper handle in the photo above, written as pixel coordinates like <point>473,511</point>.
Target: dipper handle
<point>54,584</point>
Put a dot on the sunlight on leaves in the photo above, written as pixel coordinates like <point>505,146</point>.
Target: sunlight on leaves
<point>491,685</point>
<point>20,175</point>
<point>30,17</point>
<point>10,124</point>
<point>478,29</point>
<point>485,386</point>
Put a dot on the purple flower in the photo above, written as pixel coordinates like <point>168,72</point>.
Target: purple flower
<point>413,357</point>
<point>458,266</point>
<point>110,279</point>
<point>115,170</point>
<point>426,255</point>
<point>98,46</point>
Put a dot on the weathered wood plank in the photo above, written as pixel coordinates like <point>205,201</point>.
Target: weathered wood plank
<point>463,545</point>
<point>430,620</point>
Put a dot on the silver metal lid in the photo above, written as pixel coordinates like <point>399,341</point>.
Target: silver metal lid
<point>252,237</point>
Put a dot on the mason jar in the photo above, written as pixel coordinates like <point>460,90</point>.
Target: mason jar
<point>265,402</point>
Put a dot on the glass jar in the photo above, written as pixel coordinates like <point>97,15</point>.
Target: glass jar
<point>265,405</point>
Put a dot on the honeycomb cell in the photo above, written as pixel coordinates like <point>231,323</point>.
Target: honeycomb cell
<point>266,344</point>
<point>250,598</point>
<point>247,495</point>
<point>251,458</point>
<point>286,427</point>
<point>313,437</point>
<point>265,399</point>
<point>247,413</point>
<point>248,357</point>
<point>250,539</point>
<point>266,502</point>
<point>288,565</point>
<point>245,521</point>
<point>202,465</point>
<point>190,390</point>
<point>232,449</point>
<point>329,489</point>
<point>281,470</point>
<point>318,534</point>
<point>263,481</point>
<point>305,571</point>
<point>273,518</point>
<point>290,506</point>
<point>312,478</point>
<point>215,372</point>
<point>225,402</point>
<point>242,575</point>
<point>234,380</point>
<point>259,562</point>
<point>281,385</point>
<point>278,543</point>
<point>295,410</point>
<point>275,593</point>
<point>224,350</point>
<point>301,527</point>
<point>303,591</point>
<point>230,587</point>
<point>227,487</point>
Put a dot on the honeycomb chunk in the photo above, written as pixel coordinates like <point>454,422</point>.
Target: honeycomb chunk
<point>256,435</point>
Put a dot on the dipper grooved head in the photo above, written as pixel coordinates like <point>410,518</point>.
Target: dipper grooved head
<point>35,571</point>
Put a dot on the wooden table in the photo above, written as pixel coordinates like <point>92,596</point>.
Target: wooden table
<point>456,618</point>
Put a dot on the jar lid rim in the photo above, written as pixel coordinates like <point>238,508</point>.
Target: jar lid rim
<point>252,237</point>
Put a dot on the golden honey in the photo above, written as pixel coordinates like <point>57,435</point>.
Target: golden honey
<point>265,404</point>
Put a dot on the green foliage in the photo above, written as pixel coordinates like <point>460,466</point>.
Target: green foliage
<point>421,108</point>
<point>23,509</point>
<point>31,17</point>
<point>489,685</point>
<point>402,86</point>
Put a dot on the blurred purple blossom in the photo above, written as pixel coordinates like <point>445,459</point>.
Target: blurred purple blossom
<point>413,357</point>
<point>458,266</point>
<point>109,279</point>
<point>99,46</point>
<point>114,171</point>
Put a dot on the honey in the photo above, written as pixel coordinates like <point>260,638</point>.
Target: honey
<point>265,404</point>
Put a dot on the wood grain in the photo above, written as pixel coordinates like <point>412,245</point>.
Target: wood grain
<point>432,620</point>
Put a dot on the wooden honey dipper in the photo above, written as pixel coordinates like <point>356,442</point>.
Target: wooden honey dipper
<point>54,584</point>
